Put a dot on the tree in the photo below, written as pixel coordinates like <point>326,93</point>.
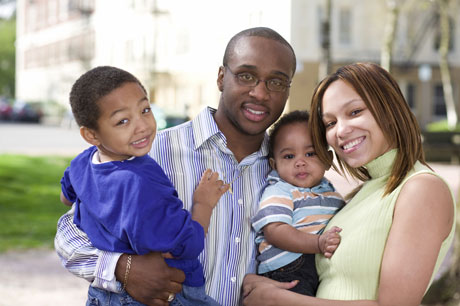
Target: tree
<point>444,24</point>
<point>389,34</point>
<point>325,64</point>
<point>7,57</point>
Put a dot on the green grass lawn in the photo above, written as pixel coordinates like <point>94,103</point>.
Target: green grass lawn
<point>29,200</point>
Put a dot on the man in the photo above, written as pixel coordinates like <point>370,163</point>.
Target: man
<point>254,81</point>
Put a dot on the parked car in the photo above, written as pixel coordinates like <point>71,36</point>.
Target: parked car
<point>26,112</point>
<point>166,119</point>
<point>6,111</point>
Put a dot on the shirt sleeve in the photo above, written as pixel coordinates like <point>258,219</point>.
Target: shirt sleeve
<point>276,205</point>
<point>156,220</point>
<point>80,258</point>
<point>66,186</point>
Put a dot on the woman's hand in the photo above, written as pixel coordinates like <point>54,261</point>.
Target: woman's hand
<point>259,290</point>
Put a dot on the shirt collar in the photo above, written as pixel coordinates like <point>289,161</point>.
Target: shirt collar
<point>205,127</point>
<point>323,186</point>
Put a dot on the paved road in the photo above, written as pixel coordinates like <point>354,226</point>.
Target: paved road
<point>38,139</point>
<point>36,277</point>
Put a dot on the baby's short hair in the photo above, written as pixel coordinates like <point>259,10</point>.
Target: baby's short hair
<point>296,116</point>
<point>90,87</point>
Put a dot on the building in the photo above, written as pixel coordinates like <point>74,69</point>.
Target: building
<point>176,46</point>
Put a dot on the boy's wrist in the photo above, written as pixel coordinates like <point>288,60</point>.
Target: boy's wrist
<point>203,205</point>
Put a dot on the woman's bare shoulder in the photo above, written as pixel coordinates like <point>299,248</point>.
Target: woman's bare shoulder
<point>427,197</point>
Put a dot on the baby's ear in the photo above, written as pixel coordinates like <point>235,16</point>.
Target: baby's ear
<point>89,135</point>
<point>331,158</point>
<point>271,160</point>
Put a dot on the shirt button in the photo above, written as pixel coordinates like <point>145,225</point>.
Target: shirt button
<point>233,279</point>
<point>104,285</point>
<point>240,201</point>
<point>237,239</point>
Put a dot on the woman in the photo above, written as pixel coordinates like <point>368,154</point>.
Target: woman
<point>398,227</point>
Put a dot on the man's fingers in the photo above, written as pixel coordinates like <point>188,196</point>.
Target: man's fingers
<point>174,288</point>
<point>157,302</point>
<point>177,276</point>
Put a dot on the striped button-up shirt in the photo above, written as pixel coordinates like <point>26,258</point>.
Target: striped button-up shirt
<point>185,152</point>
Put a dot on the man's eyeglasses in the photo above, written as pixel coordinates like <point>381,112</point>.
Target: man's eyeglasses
<point>250,80</point>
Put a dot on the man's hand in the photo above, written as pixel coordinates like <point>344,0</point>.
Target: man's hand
<point>150,279</point>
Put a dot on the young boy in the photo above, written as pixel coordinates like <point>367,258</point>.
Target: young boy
<point>123,199</point>
<point>295,207</point>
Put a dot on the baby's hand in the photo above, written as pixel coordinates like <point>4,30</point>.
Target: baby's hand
<point>329,241</point>
<point>210,189</point>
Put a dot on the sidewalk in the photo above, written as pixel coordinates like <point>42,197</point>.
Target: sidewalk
<point>36,277</point>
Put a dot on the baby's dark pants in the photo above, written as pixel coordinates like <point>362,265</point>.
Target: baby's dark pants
<point>302,269</point>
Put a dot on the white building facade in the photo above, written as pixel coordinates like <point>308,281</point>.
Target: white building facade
<point>176,46</point>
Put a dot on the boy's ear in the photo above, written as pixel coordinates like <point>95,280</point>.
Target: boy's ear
<point>271,160</point>
<point>89,135</point>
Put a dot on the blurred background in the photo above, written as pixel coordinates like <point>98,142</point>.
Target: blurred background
<point>175,48</point>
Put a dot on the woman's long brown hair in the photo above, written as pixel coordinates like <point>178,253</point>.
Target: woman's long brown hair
<point>382,95</point>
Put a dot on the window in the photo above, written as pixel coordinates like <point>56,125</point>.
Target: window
<point>439,104</point>
<point>410,95</point>
<point>345,26</point>
<point>52,12</point>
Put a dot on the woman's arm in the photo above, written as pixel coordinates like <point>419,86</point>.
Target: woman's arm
<point>260,291</point>
<point>423,218</point>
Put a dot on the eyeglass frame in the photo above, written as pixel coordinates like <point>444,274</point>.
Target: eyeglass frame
<point>242,82</point>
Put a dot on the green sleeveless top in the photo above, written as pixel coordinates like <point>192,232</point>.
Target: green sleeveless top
<point>353,272</point>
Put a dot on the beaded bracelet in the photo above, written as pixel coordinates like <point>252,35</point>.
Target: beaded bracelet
<point>128,268</point>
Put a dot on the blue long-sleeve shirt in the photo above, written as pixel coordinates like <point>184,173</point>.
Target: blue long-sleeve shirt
<point>132,207</point>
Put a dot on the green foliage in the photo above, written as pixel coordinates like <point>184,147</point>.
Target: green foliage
<point>441,126</point>
<point>29,200</point>
<point>7,57</point>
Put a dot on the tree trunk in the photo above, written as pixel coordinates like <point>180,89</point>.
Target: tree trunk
<point>389,34</point>
<point>325,65</point>
<point>452,117</point>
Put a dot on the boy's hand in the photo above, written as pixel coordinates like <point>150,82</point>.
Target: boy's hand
<point>210,189</point>
<point>329,241</point>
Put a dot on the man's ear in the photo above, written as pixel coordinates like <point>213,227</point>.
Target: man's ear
<point>220,79</point>
<point>89,135</point>
<point>271,160</point>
